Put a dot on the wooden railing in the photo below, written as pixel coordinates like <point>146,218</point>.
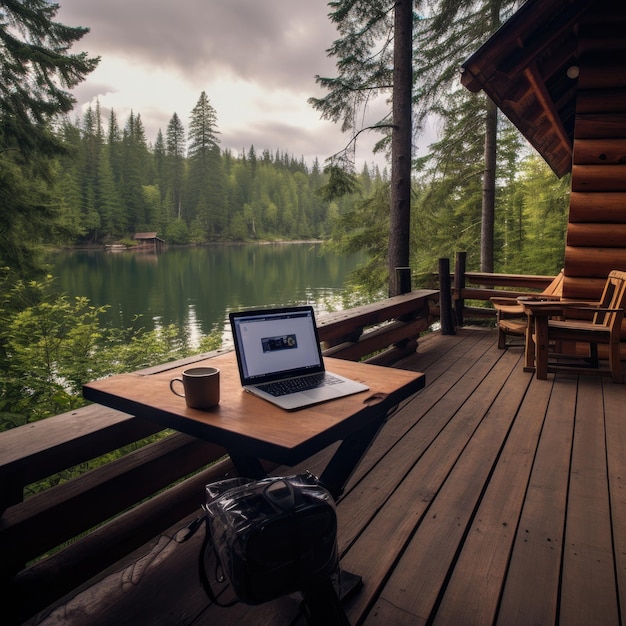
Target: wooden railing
<point>53,541</point>
<point>463,286</point>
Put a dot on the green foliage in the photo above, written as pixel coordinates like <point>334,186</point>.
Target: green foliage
<point>177,232</point>
<point>364,58</point>
<point>36,69</point>
<point>340,182</point>
<point>531,208</point>
<point>365,228</point>
<point>50,345</point>
<point>446,208</point>
<point>544,202</point>
<point>47,347</point>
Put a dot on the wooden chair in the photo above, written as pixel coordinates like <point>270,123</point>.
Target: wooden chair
<point>603,326</point>
<point>510,316</point>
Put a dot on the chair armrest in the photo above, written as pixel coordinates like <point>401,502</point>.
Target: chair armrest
<point>557,305</point>
<point>591,309</point>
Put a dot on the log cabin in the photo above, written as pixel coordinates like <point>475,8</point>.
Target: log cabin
<point>557,70</point>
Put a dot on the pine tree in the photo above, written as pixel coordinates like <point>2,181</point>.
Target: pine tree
<point>113,220</point>
<point>134,166</point>
<point>35,71</point>
<point>444,35</point>
<point>206,185</point>
<point>175,164</point>
<point>364,53</point>
<point>90,152</point>
<point>114,141</point>
<point>36,68</point>
<point>159,161</point>
<point>545,202</point>
<point>447,212</point>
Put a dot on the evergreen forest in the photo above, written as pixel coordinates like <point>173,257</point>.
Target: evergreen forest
<point>113,183</point>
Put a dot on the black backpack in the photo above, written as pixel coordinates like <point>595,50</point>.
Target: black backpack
<point>272,536</point>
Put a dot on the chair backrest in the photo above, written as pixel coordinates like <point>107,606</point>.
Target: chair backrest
<point>555,288</point>
<point>613,297</point>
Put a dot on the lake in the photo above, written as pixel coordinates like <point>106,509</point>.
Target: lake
<point>194,288</point>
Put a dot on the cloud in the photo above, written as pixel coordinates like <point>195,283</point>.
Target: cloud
<point>255,59</point>
<point>269,41</point>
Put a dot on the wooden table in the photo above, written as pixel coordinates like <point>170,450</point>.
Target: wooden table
<point>252,429</point>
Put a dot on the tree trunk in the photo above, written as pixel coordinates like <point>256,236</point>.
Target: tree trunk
<point>401,143</point>
<point>489,189</point>
<point>489,178</point>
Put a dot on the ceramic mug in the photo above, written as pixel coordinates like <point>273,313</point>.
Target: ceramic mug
<point>201,387</point>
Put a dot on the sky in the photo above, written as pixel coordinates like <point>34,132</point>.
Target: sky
<point>255,59</point>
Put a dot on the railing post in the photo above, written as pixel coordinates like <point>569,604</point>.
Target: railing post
<point>403,279</point>
<point>459,285</point>
<point>445,298</point>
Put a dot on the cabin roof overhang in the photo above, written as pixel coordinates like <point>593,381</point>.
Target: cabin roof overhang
<point>528,68</point>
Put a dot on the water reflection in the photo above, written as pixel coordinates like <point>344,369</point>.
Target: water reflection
<point>195,288</point>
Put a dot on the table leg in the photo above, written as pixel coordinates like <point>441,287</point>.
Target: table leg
<point>247,466</point>
<point>529,348</point>
<point>541,346</point>
<point>348,455</point>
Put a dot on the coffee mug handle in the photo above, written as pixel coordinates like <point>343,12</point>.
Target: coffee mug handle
<point>180,380</point>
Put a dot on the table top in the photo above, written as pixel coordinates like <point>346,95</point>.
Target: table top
<point>546,307</point>
<point>250,424</point>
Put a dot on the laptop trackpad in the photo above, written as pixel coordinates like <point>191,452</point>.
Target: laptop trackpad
<point>323,393</point>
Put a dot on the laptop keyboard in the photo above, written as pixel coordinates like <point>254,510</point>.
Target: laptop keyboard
<point>304,383</point>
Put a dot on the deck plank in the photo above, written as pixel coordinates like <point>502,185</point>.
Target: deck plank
<point>459,463</point>
<point>531,588</point>
<point>473,593</point>
<point>588,593</point>
<point>446,372</point>
<point>614,398</point>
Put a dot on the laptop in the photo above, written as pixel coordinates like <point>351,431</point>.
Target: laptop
<point>280,359</point>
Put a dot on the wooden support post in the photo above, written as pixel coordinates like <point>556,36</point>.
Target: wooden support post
<point>445,299</point>
<point>403,279</point>
<point>459,285</point>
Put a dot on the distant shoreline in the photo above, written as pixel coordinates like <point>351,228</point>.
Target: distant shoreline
<point>121,247</point>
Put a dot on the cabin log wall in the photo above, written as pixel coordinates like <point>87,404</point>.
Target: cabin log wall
<point>596,233</point>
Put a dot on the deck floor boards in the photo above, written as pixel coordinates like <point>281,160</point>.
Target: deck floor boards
<point>490,497</point>
<point>588,568</point>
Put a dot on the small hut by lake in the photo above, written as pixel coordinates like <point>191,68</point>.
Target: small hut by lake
<point>149,241</point>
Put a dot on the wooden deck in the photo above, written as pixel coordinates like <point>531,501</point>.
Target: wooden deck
<point>489,498</point>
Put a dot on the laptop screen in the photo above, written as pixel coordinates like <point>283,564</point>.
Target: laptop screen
<point>276,343</point>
